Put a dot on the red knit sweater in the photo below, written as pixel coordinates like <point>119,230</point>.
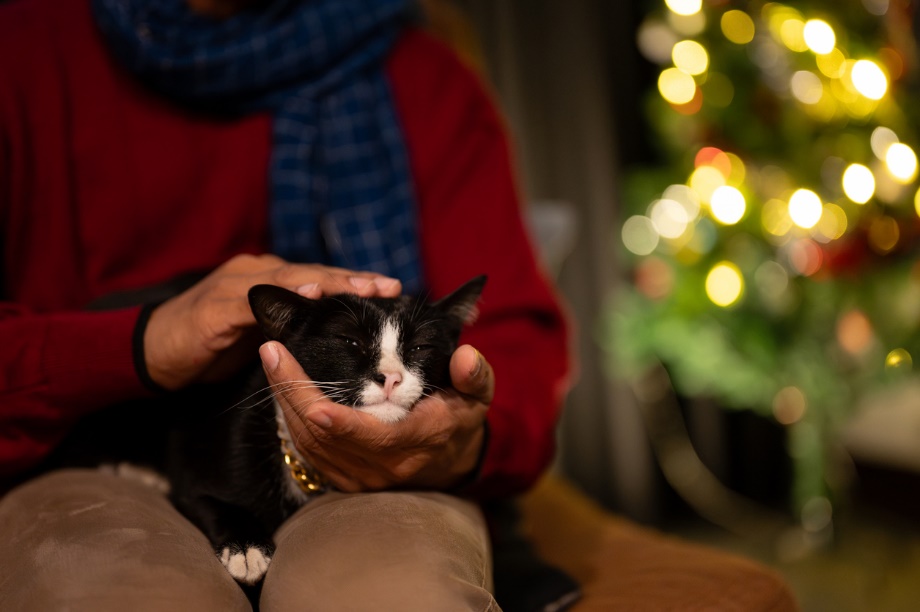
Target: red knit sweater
<point>104,187</point>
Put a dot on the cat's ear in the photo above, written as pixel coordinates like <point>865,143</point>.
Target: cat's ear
<point>276,308</point>
<point>461,304</point>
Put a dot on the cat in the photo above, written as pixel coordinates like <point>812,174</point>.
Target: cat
<point>225,450</point>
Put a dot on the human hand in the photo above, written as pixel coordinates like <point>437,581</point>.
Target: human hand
<point>208,332</point>
<point>434,447</point>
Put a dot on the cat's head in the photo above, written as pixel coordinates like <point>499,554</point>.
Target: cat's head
<point>379,355</point>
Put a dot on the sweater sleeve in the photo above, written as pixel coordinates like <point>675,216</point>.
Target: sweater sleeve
<point>55,368</point>
<point>471,223</point>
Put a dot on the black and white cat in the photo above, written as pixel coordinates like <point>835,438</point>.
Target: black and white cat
<point>225,450</point>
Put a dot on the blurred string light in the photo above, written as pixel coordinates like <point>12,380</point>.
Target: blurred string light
<point>676,86</point>
<point>724,284</point>
<point>690,57</point>
<point>639,235</point>
<point>727,205</point>
<point>685,7</point>
<point>819,36</point>
<point>858,183</point>
<point>737,26</point>
<point>805,208</point>
<point>881,139</point>
<point>901,162</point>
<point>806,86</point>
<point>869,79</point>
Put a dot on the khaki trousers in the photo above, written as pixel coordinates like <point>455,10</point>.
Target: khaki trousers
<point>83,540</point>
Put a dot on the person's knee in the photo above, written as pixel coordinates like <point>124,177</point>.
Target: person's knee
<point>404,551</point>
<point>78,539</point>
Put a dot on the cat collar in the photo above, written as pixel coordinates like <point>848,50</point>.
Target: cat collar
<point>307,477</point>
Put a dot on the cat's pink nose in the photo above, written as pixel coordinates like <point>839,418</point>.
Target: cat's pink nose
<point>390,381</point>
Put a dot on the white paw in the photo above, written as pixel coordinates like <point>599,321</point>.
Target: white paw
<point>245,565</point>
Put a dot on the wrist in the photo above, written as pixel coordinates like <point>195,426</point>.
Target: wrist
<point>139,349</point>
<point>470,476</point>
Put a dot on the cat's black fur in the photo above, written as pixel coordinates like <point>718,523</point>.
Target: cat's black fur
<point>218,445</point>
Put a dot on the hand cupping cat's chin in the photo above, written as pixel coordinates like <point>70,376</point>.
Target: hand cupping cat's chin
<point>386,411</point>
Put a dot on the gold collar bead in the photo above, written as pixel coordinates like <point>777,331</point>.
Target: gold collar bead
<point>307,477</point>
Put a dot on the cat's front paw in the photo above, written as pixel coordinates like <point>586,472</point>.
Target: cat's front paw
<point>247,564</point>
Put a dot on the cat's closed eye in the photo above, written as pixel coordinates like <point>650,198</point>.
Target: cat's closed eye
<point>350,341</point>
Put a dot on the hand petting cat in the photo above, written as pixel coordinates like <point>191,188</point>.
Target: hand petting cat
<point>208,332</point>
<point>435,447</point>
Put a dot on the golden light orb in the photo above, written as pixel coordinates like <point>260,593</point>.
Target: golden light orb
<point>738,27</point>
<point>898,359</point>
<point>869,79</point>
<point>724,284</point>
<point>690,56</point>
<point>727,205</point>
<point>792,33</point>
<point>676,86</point>
<point>819,36</point>
<point>705,180</point>
<point>805,208</point>
<point>858,183</point>
<point>901,162</point>
<point>685,7</point>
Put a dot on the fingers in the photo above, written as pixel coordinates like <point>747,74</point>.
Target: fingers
<point>472,375</point>
<point>307,279</point>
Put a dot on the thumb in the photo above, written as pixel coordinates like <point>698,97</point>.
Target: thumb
<point>471,374</point>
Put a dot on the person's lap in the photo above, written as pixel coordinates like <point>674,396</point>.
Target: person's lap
<point>84,540</point>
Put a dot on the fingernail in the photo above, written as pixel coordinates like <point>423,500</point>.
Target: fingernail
<point>270,356</point>
<point>359,282</point>
<point>307,290</point>
<point>477,368</point>
<point>385,284</point>
<point>320,419</point>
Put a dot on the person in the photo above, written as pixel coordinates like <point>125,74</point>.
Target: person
<point>323,146</point>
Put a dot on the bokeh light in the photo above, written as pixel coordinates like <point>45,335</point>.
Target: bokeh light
<point>805,208</point>
<point>884,234</point>
<point>881,139</point>
<point>819,36</point>
<point>858,183</point>
<point>686,197</point>
<point>690,56</point>
<point>901,162</point>
<point>685,7</point>
<point>656,40</point>
<point>738,27</point>
<point>639,235</point>
<point>669,218</point>
<point>727,205</point>
<point>705,180</point>
<point>832,224</point>
<point>724,284</point>
<point>676,86</point>
<point>789,405</point>
<point>854,332</point>
<point>806,87</point>
<point>832,65</point>
<point>869,80</point>
<point>898,359</point>
<point>792,33</point>
<point>775,217</point>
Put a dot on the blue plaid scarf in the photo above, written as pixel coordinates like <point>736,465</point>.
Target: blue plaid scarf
<point>341,191</point>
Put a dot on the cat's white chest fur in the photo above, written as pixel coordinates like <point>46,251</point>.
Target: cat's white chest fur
<point>291,489</point>
<point>395,388</point>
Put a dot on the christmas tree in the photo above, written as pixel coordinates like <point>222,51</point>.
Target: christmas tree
<point>772,253</point>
